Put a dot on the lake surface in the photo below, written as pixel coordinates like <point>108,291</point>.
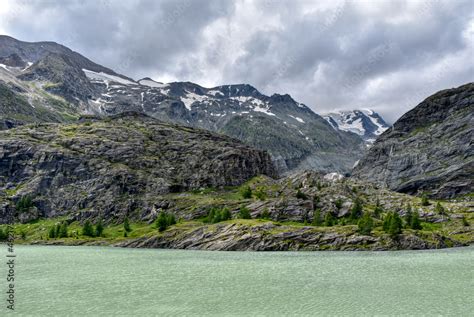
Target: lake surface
<point>101,281</point>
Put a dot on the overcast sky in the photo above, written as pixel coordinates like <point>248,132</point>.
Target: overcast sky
<point>384,55</point>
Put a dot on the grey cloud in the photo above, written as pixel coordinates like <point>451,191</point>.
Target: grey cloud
<point>341,55</point>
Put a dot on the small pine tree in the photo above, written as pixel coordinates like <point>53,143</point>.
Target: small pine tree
<point>317,218</point>
<point>99,229</point>
<point>161,222</point>
<point>329,220</point>
<point>301,195</point>
<point>244,213</point>
<point>365,224</point>
<point>24,204</point>
<point>125,234</point>
<point>57,228</point>
<point>52,232</point>
<point>338,203</point>
<point>386,222</point>
<point>357,208</point>
<point>424,200</point>
<point>395,226</point>
<point>87,229</point>
<point>415,221</point>
<point>408,216</point>
<point>126,225</point>
<point>170,220</point>
<point>63,230</point>
<point>225,214</point>
<point>3,235</point>
<point>246,192</point>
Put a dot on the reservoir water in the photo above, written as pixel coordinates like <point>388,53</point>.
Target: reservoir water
<point>103,281</point>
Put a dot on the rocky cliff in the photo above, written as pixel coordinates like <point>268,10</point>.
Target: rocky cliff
<point>429,149</point>
<point>112,167</point>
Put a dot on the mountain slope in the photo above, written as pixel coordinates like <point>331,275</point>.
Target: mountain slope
<point>295,136</point>
<point>430,148</point>
<point>366,123</point>
<point>116,165</point>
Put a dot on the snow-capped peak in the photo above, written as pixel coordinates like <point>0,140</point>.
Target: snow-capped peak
<point>365,122</point>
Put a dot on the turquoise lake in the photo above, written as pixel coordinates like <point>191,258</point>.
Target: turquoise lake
<point>103,281</point>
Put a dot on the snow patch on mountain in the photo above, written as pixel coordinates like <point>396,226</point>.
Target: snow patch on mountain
<point>107,78</point>
<point>151,83</point>
<point>366,123</point>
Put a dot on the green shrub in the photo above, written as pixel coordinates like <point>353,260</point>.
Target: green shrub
<point>170,220</point>
<point>260,194</point>
<point>317,218</point>
<point>216,215</point>
<point>265,214</point>
<point>3,234</point>
<point>365,224</point>
<point>392,224</point>
<point>338,203</point>
<point>63,228</point>
<point>52,232</point>
<point>329,220</point>
<point>99,229</point>
<point>225,214</point>
<point>162,221</point>
<point>87,229</point>
<point>244,213</point>
<point>246,192</point>
<point>24,204</point>
<point>126,225</point>
<point>301,195</point>
<point>415,221</point>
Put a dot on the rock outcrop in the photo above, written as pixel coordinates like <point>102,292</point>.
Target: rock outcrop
<point>429,149</point>
<point>113,167</point>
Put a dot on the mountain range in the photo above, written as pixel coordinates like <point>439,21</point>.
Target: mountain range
<point>82,144</point>
<point>46,81</point>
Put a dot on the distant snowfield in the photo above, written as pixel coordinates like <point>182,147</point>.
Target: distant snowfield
<point>106,77</point>
<point>152,83</point>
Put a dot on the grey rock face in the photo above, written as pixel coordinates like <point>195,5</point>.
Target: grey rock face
<point>115,166</point>
<point>428,149</point>
<point>270,237</point>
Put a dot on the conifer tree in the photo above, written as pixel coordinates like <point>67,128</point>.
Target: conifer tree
<point>415,221</point>
<point>87,229</point>
<point>161,222</point>
<point>99,228</point>
<point>317,218</point>
<point>126,225</point>
<point>365,224</point>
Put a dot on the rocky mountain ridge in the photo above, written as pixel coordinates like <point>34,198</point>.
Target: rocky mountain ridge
<point>293,134</point>
<point>429,149</point>
<point>114,166</point>
<point>366,123</point>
